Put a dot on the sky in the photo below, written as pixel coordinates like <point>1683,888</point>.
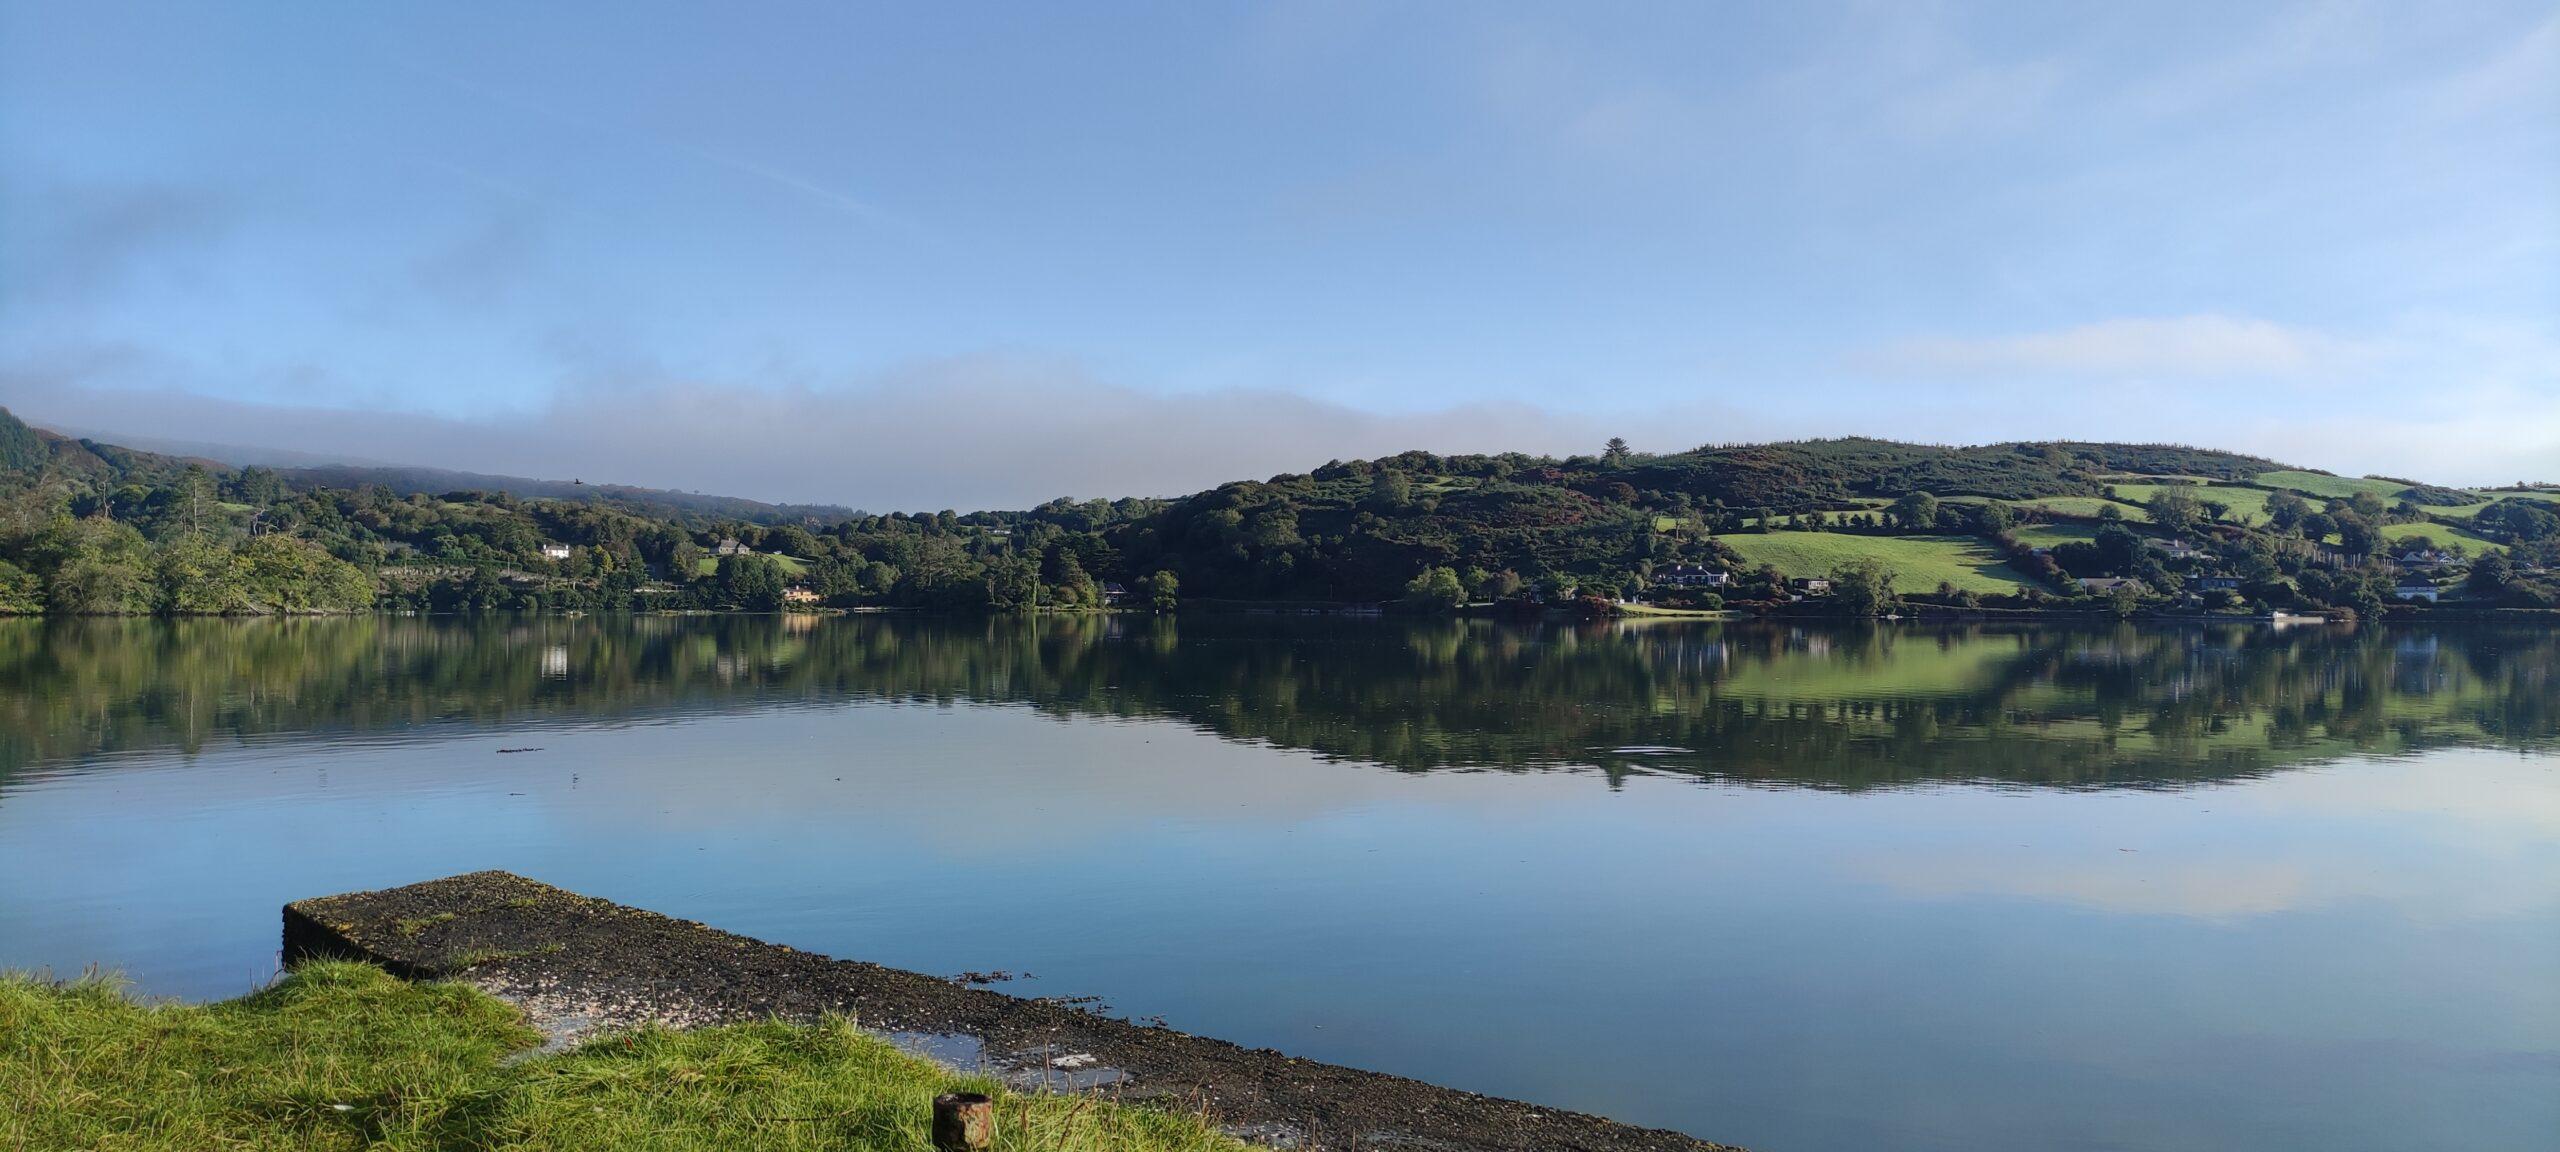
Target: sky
<point>962,255</point>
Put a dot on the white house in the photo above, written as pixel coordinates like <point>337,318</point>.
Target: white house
<point>555,551</point>
<point>1691,576</point>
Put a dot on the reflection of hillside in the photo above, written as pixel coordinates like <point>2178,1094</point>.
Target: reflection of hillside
<point>1842,707</point>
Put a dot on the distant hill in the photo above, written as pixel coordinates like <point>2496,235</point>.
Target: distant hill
<point>407,480</point>
<point>27,449</point>
<point>87,526</point>
<point>1830,470</point>
<point>34,451</point>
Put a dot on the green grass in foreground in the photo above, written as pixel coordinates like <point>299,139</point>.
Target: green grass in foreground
<point>1918,562</point>
<point>344,1056</point>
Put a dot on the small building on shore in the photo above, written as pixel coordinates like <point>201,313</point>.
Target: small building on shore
<point>1691,576</point>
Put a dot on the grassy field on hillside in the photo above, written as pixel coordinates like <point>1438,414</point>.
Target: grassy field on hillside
<point>1919,562</point>
<point>2251,501</point>
<point>2082,506</point>
<point>792,566</point>
<point>2338,487</point>
<point>343,1056</point>
<point>2048,535</point>
<point>2442,534</point>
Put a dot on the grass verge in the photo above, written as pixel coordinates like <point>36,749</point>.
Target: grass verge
<point>344,1056</point>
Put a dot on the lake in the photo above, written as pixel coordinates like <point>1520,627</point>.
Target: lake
<point>1794,887</point>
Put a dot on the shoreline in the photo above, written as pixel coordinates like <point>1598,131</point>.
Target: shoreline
<point>579,966</point>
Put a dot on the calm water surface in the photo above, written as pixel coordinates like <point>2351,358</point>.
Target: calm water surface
<point>1795,888</point>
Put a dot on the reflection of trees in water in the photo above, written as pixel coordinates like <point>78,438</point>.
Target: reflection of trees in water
<point>1833,707</point>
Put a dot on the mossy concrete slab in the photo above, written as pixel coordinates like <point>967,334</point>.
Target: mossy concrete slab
<point>578,965</point>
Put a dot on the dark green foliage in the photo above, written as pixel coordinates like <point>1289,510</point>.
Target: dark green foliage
<point>22,449</point>
<point>2176,511</point>
<point>1435,590</point>
<point>93,528</point>
<point>1862,588</point>
<point>2518,521</point>
<point>2417,493</point>
<point>750,582</point>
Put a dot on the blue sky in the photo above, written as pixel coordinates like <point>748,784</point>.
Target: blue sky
<point>960,255</point>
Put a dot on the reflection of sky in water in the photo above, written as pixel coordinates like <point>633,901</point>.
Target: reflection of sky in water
<point>2355,954</point>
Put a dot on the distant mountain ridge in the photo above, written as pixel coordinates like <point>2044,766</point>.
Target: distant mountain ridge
<point>1784,473</point>
<point>26,448</point>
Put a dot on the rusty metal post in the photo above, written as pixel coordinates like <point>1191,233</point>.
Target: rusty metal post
<point>964,1122</point>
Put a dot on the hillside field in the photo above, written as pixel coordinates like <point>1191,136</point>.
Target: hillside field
<point>2048,535</point>
<point>1919,562</point>
<point>792,566</point>
<point>2340,487</point>
<point>2249,501</point>
<point>2086,507</point>
<point>2442,534</point>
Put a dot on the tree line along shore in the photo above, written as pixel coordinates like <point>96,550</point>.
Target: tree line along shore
<point>1850,526</point>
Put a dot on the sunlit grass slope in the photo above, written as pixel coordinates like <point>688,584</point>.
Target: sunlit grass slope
<point>343,1056</point>
<point>2088,506</point>
<point>1919,562</point>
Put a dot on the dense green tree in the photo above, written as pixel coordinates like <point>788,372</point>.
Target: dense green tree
<point>1390,491</point>
<point>21,591</point>
<point>1013,584</point>
<point>2490,575</point>
<point>97,566</point>
<point>2285,511</point>
<point>1916,512</point>
<point>282,574</point>
<point>198,578</point>
<point>2175,510</point>
<point>1164,590</point>
<point>750,581</point>
<point>1863,587</point>
<point>1436,589</point>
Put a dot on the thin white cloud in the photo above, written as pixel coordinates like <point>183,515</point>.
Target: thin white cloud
<point>2185,346</point>
<point>841,201</point>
